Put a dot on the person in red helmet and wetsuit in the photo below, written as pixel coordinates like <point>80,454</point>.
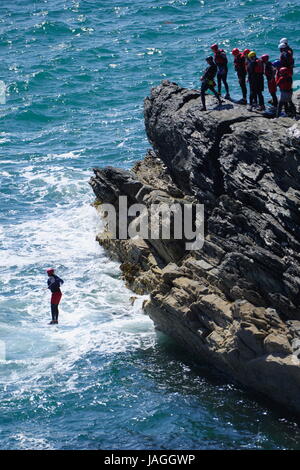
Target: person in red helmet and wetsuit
<point>256,80</point>
<point>208,82</point>
<point>285,83</point>
<point>222,65</point>
<point>54,282</point>
<point>270,73</point>
<point>240,68</point>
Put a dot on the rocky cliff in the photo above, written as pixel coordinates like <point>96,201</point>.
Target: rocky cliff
<point>234,303</point>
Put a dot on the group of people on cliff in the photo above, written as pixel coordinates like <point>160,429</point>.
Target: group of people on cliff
<point>253,69</point>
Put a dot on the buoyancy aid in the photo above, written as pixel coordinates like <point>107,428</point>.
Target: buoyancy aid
<point>220,57</point>
<point>239,63</point>
<point>269,71</point>
<point>210,72</point>
<point>284,83</point>
<point>54,282</point>
<point>259,66</point>
<point>287,59</point>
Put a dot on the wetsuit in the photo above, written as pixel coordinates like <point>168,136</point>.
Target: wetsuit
<point>285,84</point>
<point>222,64</point>
<point>256,79</point>
<point>287,60</point>
<point>270,74</point>
<point>208,83</point>
<point>240,68</point>
<point>54,283</point>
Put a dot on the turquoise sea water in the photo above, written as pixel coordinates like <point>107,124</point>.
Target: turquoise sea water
<point>76,74</point>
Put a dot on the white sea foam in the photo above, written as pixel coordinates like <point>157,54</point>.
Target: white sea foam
<point>95,313</point>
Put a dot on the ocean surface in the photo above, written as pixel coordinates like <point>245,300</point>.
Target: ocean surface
<point>76,74</point>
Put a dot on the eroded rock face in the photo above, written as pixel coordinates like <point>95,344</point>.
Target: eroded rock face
<point>245,169</point>
<point>235,302</point>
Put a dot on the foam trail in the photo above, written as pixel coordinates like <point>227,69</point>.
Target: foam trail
<point>95,313</point>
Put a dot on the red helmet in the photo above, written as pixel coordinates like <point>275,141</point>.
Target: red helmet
<point>50,271</point>
<point>235,51</point>
<point>246,51</point>
<point>265,58</point>
<point>284,71</point>
<point>214,47</point>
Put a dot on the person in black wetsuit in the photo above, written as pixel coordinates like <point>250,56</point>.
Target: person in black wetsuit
<point>222,64</point>
<point>208,82</point>
<point>240,68</point>
<point>286,57</point>
<point>54,282</point>
<point>255,70</point>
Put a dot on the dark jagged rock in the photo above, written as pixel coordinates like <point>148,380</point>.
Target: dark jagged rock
<point>235,302</point>
<point>245,169</point>
<point>110,183</point>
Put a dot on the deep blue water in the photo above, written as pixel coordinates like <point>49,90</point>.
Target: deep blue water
<point>76,74</point>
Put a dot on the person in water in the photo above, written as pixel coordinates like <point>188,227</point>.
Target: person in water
<point>208,82</point>
<point>285,83</point>
<point>270,73</point>
<point>222,65</point>
<point>240,68</point>
<point>54,282</point>
<point>256,80</point>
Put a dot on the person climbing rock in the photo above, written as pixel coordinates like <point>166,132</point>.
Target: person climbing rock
<point>256,81</point>
<point>208,82</point>
<point>54,282</point>
<point>285,83</point>
<point>222,65</point>
<point>240,68</point>
<point>270,73</point>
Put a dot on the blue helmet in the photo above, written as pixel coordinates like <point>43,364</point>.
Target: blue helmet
<point>277,64</point>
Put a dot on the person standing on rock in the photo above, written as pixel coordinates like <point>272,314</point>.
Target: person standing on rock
<point>208,82</point>
<point>222,64</point>
<point>286,57</point>
<point>285,41</point>
<point>285,83</point>
<point>54,282</point>
<point>256,80</point>
<point>270,72</point>
<point>246,52</point>
<point>240,68</point>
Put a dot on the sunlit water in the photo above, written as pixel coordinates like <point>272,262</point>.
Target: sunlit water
<point>76,74</point>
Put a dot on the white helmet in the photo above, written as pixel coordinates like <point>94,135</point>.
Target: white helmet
<point>283,40</point>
